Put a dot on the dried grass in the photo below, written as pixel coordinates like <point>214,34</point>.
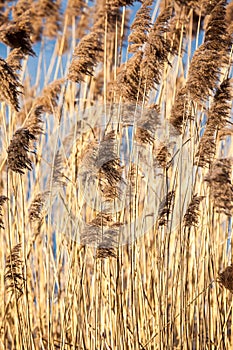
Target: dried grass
<point>116,175</point>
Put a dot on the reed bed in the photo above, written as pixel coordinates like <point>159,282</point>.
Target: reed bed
<point>116,192</point>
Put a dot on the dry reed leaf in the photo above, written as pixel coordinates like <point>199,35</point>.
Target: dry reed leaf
<point>83,25</point>
<point>25,110</point>
<point>63,43</point>
<point>224,132</point>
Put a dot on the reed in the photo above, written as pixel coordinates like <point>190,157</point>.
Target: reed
<point>116,190</point>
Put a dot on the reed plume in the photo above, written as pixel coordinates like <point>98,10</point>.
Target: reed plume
<point>10,87</point>
<point>58,178</point>
<point>17,34</point>
<point>140,26</point>
<point>218,115</point>
<point>92,233</point>
<point>161,155</point>
<point>105,10</point>
<point>75,8</point>
<point>36,213</point>
<point>34,123</point>
<point>48,100</point>
<point>229,17</point>
<point>109,167</point>
<point>100,164</point>
<point>207,6</point>
<point>50,10</point>
<point>165,208</point>
<point>157,50</point>
<point>3,17</point>
<point>36,208</point>
<point>191,217</point>
<point>18,159</point>
<point>86,56</point>
<point>144,69</point>
<point>146,126</point>
<point>107,247</point>
<point>219,180</point>
<point>179,111</point>
<point>21,7</point>
<point>14,59</point>
<point>102,219</point>
<point>102,232</point>
<point>207,146</point>
<point>103,252</point>
<point>225,278</point>
<point>129,83</point>
<point>210,57</point>
<point>119,3</point>
<point>36,17</point>
<point>221,106</point>
<point>13,276</point>
<point>3,199</point>
<point>107,20</point>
